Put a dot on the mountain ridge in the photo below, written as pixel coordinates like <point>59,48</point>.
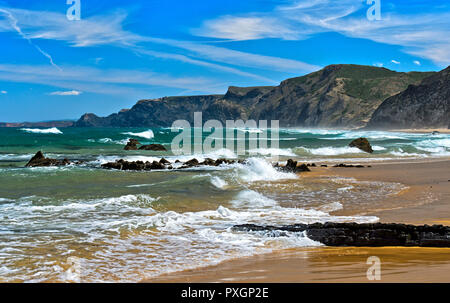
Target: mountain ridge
<point>341,95</point>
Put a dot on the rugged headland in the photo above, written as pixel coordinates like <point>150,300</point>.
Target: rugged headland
<point>338,96</point>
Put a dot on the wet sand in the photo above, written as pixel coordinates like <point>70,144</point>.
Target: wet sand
<point>426,201</point>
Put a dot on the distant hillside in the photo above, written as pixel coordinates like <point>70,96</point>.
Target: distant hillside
<point>336,96</point>
<point>426,105</point>
<point>63,123</point>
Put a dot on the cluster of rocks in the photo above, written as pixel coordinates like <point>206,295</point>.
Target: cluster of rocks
<point>165,164</point>
<point>368,234</point>
<point>39,160</point>
<point>133,145</point>
<point>293,167</point>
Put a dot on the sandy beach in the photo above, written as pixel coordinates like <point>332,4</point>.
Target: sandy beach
<point>425,200</point>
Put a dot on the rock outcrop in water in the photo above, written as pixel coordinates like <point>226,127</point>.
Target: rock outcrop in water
<point>132,144</point>
<point>363,144</point>
<point>369,235</point>
<point>153,147</point>
<point>426,105</point>
<point>293,167</point>
<point>165,164</point>
<point>336,96</point>
<point>39,160</point>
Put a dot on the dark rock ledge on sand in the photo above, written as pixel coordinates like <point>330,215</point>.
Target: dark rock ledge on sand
<point>39,160</point>
<point>368,235</point>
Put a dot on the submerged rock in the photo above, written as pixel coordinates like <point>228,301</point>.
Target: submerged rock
<point>368,234</point>
<point>39,160</point>
<point>363,144</point>
<point>153,147</point>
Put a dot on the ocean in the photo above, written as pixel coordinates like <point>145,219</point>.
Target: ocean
<point>85,224</point>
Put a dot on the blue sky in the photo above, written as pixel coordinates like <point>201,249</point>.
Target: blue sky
<point>122,51</point>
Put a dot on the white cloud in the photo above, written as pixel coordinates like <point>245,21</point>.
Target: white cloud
<point>108,30</point>
<point>246,28</point>
<point>103,81</point>
<point>3,92</point>
<point>420,32</point>
<point>378,64</point>
<point>416,62</point>
<point>66,93</point>
<point>395,61</point>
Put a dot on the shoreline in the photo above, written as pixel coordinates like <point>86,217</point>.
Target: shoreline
<point>425,201</point>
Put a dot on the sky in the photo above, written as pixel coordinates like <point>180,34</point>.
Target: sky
<point>54,66</point>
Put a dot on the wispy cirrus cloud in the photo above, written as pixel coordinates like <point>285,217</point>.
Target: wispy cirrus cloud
<point>13,23</point>
<point>108,29</point>
<point>66,93</point>
<point>76,79</point>
<point>423,33</point>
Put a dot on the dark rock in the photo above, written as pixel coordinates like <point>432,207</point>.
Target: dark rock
<point>153,147</point>
<point>363,144</point>
<point>191,163</point>
<point>349,165</point>
<point>132,144</point>
<point>164,161</point>
<point>293,167</point>
<point>209,162</point>
<point>39,160</point>
<point>368,235</point>
<point>157,165</point>
<point>323,165</point>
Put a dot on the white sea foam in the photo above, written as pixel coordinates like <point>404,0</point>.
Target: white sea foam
<point>15,157</point>
<point>252,199</point>
<point>272,152</point>
<point>52,130</point>
<point>401,153</point>
<point>218,182</point>
<point>146,134</point>
<point>311,131</point>
<point>332,151</point>
<point>257,169</point>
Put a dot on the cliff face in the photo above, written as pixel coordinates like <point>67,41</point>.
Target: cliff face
<point>336,96</point>
<point>426,105</point>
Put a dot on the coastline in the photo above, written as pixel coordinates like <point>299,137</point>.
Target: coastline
<point>425,201</point>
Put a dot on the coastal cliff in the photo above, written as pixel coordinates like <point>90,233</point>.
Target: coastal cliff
<point>420,106</point>
<point>337,96</point>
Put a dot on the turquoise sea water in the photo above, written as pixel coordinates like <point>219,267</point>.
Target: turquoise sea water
<point>126,226</point>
